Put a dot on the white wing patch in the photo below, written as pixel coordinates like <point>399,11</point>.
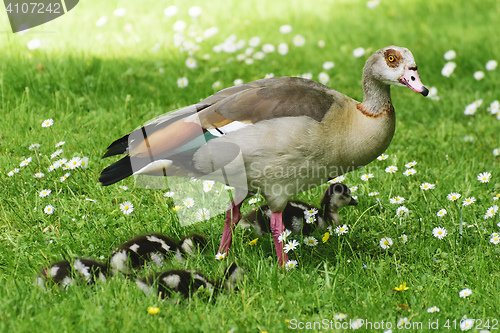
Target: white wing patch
<point>231,127</point>
<point>157,240</point>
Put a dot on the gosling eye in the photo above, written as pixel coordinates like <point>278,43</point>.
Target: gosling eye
<point>391,58</point>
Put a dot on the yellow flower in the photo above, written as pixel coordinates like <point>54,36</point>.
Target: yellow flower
<point>402,287</point>
<point>326,236</point>
<point>287,320</point>
<point>176,208</point>
<point>153,310</point>
<point>253,241</point>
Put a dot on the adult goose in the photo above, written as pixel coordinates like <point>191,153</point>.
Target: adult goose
<point>291,133</point>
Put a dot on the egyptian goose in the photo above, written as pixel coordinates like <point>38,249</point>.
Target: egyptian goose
<point>291,134</point>
<point>188,282</point>
<point>152,248</point>
<point>297,212</point>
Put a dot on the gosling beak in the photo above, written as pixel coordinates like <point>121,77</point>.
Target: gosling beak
<point>353,202</point>
<point>411,79</point>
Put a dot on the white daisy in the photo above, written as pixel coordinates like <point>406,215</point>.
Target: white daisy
<point>484,177</point>
<point>169,194</point>
<point>409,172</point>
<point>439,232</point>
<point>386,242</point>
<point>391,169</point>
<point>13,172</point>
<point>101,21</point>
<point>450,55</point>
<point>282,237</point>
<point>494,107</point>
<point>290,264</point>
<point>397,200</point>
<point>490,212</point>
<point>310,219</point>
<point>410,164</point>
<point>47,123</point>
<point>453,196</point>
<point>191,63</point>
<point>468,201</point>
<point>298,40</point>
<point>310,241</point>
<point>340,316</point>
<point>254,41</point>
<point>25,162</point>
<point>84,162</point>
<point>202,214</point>
<point>34,146</point>
<point>189,202</point>
<point>491,65</point>
<point>182,82</point>
<point>328,65</point>
<point>123,187</point>
<point>324,78</point>
<point>49,209</point>
<point>286,29</point>
<point>38,175</point>
<point>358,52</point>
<point>382,157</point>
<point>127,207</point>
<point>367,176</point>
<point>433,309</point>
<point>56,153</point>
<point>495,238</point>
<point>194,11</point>
<point>283,48</point>
<point>402,211</point>
<point>44,193</point>
<point>335,180</point>
<point>220,256</point>
<point>340,230</point>
<point>372,194</point>
<point>466,324</point>
<point>427,186</point>
<point>448,69</point>
<point>479,75</point>
<point>465,292</point>
<point>66,175</point>
<point>208,185</point>
<point>403,238</point>
<point>442,212</point>
<point>268,48</point>
<point>60,143</point>
<point>74,163</point>
<point>310,212</point>
<point>291,246</point>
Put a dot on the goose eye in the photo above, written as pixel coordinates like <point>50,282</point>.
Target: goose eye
<point>391,58</point>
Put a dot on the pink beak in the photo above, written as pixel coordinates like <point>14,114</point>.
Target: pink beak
<point>411,79</point>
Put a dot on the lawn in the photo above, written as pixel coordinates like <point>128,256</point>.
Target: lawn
<point>100,78</point>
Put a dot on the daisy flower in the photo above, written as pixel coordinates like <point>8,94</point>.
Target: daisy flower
<point>290,246</point>
<point>286,29</point>
<point>450,55</point>
<point>47,123</point>
<point>403,238</point>
<point>403,321</point>
<point>38,175</point>
<point>126,207</point>
<point>385,242</point>
<point>340,230</point>
<point>494,107</point>
<point>340,316</point>
<point>491,65</point>
<point>453,196</point>
<point>324,78</point>
<point>217,85</point>
<point>468,201</point>
<point>448,69</point>
<point>433,309</point>
<point>496,151</point>
<point>335,180</point>
<point>466,324</point>
<point>13,172</point>
<point>328,65</point>
<point>402,211</point>
<point>427,186</point>
<point>484,177</point>
<point>309,212</point>
<point>479,75</point>
<point>365,177</point>
<point>397,200</point>
<point>282,237</point>
<point>290,264</point>
<point>491,212</point>
<point>238,82</point>
<point>56,153</point>
<point>194,11</point>
<point>268,48</point>
<point>253,201</point>
<point>84,162</point>
<point>495,239</point>
<point>353,188</point>
<point>220,256</point>
<point>74,163</point>
<point>283,48</point>
<point>208,185</point>
<point>298,40</point>
<point>358,52</point>
<point>101,21</point>
<point>409,172</point>
<point>439,232</point>
<point>310,241</point>
<point>49,209</point>
<point>169,194</point>
<point>391,169</point>
<point>63,178</point>
<point>465,292</point>
<point>202,214</point>
<point>472,108</point>
<point>441,212</point>
<point>372,3</point>
<point>123,187</point>
<point>372,194</point>
<point>182,82</point>
<point>254,41</point>
<point>188,202</point>
<point>60,143</point>
<point>25,162</point>
<point>382,157</point>
<point>310,219</point>
<point>410,164</point>
<point>44,193</point>
<point>34,146</point>
<point>496,197</point>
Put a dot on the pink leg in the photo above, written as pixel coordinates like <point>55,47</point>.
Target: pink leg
<point>233,216</point>
<point>277,228</point>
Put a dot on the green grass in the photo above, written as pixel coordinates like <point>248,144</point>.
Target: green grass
<point>81,78</point>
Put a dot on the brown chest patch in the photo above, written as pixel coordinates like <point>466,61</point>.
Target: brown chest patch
<point>386,111</point>
<point>392,58</point>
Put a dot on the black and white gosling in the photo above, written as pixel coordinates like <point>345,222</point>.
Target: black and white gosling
<point>297,212</point>
<point>64,273</point>
<point>187,282</point>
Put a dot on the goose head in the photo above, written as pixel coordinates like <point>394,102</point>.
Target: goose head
<point>394,65</point>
